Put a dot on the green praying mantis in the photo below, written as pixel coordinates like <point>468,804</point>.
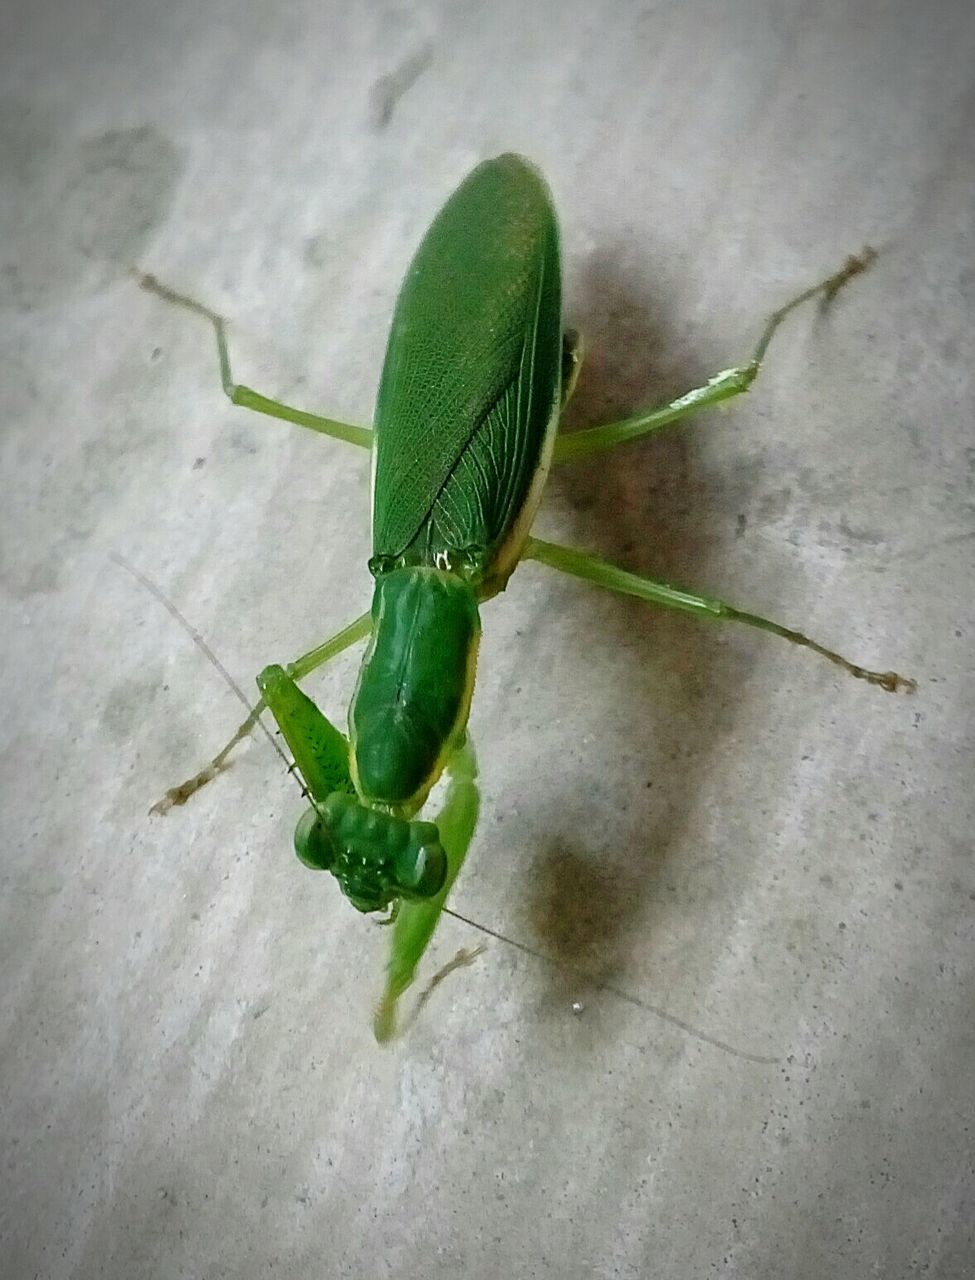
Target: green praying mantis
<point>477,373</point>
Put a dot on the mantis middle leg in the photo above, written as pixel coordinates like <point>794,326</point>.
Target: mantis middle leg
<point>724,385</point>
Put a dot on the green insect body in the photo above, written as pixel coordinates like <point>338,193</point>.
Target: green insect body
<point>477,371</point>
<point>465,422</point>
<point>410,709</point>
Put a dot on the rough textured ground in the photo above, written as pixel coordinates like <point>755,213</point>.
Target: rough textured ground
<point>773,861</point>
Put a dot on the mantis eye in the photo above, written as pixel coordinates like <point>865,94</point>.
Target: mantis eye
<point>421,867</point>
<point>314,844</point>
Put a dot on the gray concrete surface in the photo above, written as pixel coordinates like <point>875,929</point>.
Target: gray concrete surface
<point>774,861</point>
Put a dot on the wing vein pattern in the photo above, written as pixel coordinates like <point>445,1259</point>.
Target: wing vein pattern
<point>473,369</point>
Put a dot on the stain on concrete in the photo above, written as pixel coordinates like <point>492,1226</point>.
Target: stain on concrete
<point>388,90</point>
<point>72,493</point>
<point>317,251</point>
<point>128,705</point>
<point>77,212</point>
<point>23,575</point>
<point>871,537</point>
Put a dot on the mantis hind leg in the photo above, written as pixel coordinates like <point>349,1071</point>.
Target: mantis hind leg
<point>296,670</point>
<point>245,396</point>
<point>724,385</point>
<point>581,564</point>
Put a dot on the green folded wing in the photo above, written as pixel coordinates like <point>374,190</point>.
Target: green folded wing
<point>472,374</point>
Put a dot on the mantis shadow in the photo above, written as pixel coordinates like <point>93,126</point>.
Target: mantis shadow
<point>656,507</point>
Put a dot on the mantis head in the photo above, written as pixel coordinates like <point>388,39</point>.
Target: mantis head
<point>375,857</point>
